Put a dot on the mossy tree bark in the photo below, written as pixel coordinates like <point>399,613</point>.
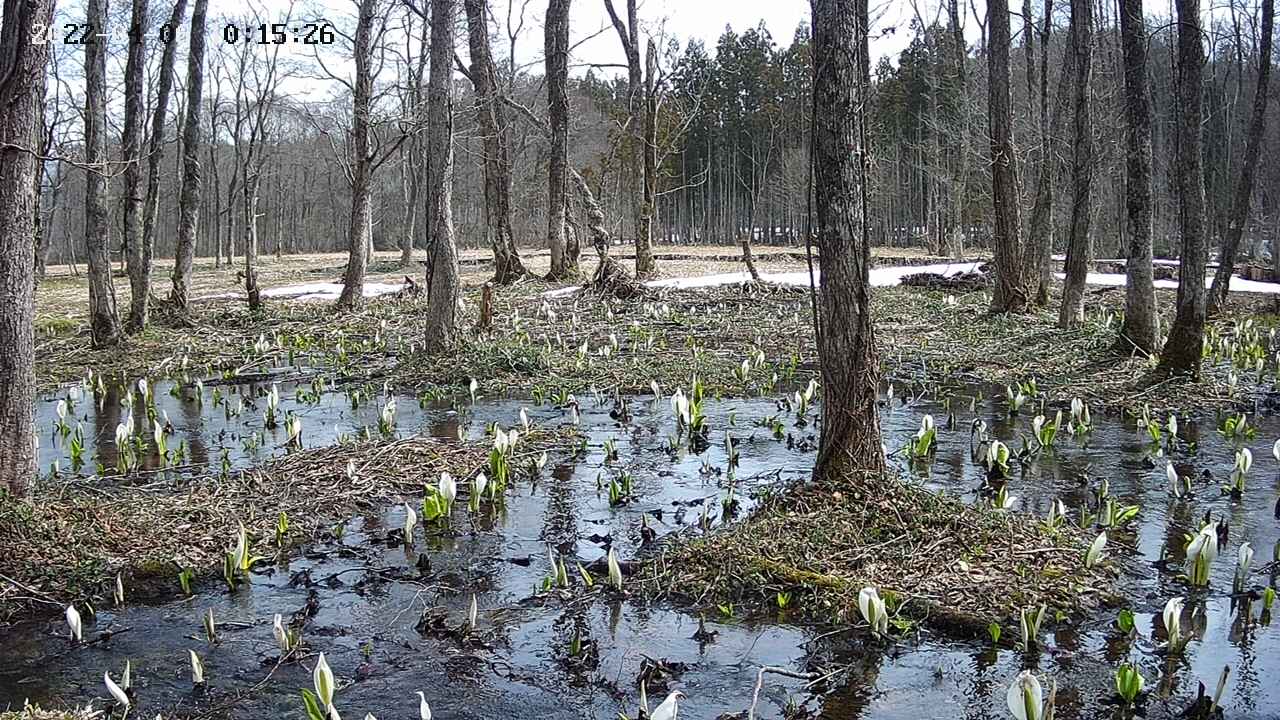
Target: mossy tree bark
<point>846,337</point>
<point>1139,329</point>
<point>1183,349</point>
<point>22,78</point>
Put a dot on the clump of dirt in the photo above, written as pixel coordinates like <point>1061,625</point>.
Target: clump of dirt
<point>947,564</point>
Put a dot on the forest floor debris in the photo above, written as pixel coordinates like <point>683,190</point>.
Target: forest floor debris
<point>33,712</point>
<point>69,540</point>
<point>536,343</point>
<point>953,566</point>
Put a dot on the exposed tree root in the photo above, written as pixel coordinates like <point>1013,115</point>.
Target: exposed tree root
<point>612,279</point>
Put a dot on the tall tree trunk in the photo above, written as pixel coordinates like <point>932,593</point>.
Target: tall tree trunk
<point>960,179</point>
<point>22,76</point>
<point>1139,331</point>
<point>104,322</point>
<point>645,265</point>
<point>140,259</point>
<point>1079,246</point>
<point>629,36</point>
<point>189,194</point>
<point>1041,230</point>
<point>563,263</point>
<point>443,283</point>
<point>417,163</point>
<point>846,336</point>
<point>491,116</point>
<point>1010,291</point>
<point>358,230</point>
<point>1244,187</point>
<point>44,144</point>
<point>1182,351</point>
<point>131,142</point>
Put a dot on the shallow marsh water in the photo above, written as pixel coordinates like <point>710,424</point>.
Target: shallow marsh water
<point>370,596</point>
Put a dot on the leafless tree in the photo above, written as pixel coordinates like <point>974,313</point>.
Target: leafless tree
<point>1183,349</point>
<point>491,116</point>
<point>189,194</point>
<point>1244,187</point>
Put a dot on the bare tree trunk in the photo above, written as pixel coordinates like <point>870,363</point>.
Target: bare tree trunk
<point>629,36</point>
<point>1244,187</point>
<point>22,75</point>
<point>563,264</point>
<point>1080,245</point>
<point>131,141</point>
<point>846,337</point>
<point>189,194</point>
<point>1182,351</point>
<point>443,283</point>
<point>492,118</point>
<point>1139,331</point>
<point>1041,230</point>
<point>358,230</point>
<point>416,164</point>
<point>645,265</point>
<point>1010,291</point>
<point>142,245</point>
<point>104,323</point>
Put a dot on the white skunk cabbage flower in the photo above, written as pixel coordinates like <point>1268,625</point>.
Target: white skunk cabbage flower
<point>473,387</point>
<point>1175,483</point>
<point>410,522</point>
<point>478,484</point>
<point>1275,450</point>
<point>926,424</point>
<point>524,419</point>
<point>448,490</point>
<point>1173,621</point>
<point>472,613</point>
<point>281,635</point>
<point>322,680</point>
<point>1244,559</point>
<point>1025,697</point>
<point>1201,553</point>
<point>117,693</point>
<point>657,394</point>
<point>424,710</point>
<point>615,570</point>
<point>1094,554</point>
<point>197,669</point>
<point>74,623</point>
<point>873,611</point>
<point>1244,460</point>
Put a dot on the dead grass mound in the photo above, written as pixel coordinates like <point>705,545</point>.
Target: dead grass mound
<point>950,565</point>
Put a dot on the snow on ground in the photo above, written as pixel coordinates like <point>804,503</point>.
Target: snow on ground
<point>313,291</point>
<point>891,276</point>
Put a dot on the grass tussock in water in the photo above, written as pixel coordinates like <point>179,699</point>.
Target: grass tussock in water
<point>947,564</point>
<point>70,539</point>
